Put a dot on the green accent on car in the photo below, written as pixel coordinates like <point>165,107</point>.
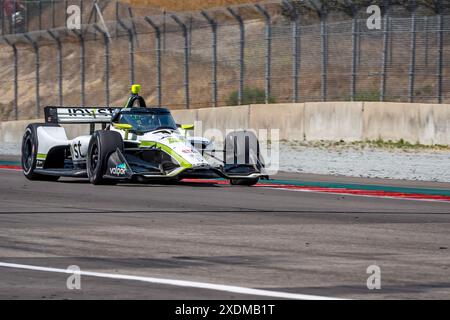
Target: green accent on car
<point>122,126</point>
<point>126,103</point>
<point>41,156</point>
<point>168,150</point>
<point>187,126</point>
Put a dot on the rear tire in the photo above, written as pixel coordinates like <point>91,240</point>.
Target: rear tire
<point>102,144</point>
<point>29,153</point>
<point>244,182</point>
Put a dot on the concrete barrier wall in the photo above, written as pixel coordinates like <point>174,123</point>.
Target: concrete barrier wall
<point>438,132</point>
<point>334,121</point>
<point>412,122</point>
<point>289,118</point>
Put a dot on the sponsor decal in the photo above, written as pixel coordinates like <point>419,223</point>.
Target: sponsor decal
<point>89,112</point>
<point>77,151</point>
<point>39,164</point>
<point>119,170</point>
<point>173,140</point>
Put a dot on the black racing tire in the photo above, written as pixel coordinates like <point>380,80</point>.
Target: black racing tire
<point>101,145</point>
<point>244,182</point>
<point>30,151</point>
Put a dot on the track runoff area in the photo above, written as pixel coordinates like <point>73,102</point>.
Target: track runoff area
<point>292,237</point>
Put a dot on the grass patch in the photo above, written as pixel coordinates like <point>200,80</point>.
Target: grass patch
<point>367,96</point>
<point>249,96</point>
<point>402,144</point>
<point>180,5</point>
<point>374,144</point>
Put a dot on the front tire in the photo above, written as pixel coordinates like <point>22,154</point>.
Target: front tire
<point>29,154</point>
<point>102,144</point>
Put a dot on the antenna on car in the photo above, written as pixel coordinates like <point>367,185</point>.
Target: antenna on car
<point>135,89</point>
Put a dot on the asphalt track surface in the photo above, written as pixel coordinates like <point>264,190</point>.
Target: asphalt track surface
<point>281,241</point>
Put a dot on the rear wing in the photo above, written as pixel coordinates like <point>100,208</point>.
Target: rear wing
<point>78,115</point>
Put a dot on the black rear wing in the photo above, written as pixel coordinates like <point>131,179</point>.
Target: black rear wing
<point>78,115</point>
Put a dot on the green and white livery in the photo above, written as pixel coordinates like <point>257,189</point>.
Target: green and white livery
<point>135,143</point>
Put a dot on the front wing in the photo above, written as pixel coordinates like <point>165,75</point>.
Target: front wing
<point>127,166</point>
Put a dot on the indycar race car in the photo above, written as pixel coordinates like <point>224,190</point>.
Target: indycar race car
<point>136,143</point>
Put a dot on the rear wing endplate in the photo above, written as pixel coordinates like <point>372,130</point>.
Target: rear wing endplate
<point>78,115</point>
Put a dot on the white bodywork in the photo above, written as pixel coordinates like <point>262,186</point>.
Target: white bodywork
<point>172,139</point>
<point>50,137</point>
<point>188,152</point>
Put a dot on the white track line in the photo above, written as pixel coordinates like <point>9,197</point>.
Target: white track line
<point>171,282</point>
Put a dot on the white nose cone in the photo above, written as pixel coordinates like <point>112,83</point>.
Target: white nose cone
<point>178,145</point>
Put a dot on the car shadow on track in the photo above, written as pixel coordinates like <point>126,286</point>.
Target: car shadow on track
<point>177,184</point>
<point>151,184</point>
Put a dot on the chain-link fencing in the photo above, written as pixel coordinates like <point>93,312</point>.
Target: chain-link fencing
<point>228,56</point>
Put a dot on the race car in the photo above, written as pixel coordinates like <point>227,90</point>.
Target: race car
<point>136,143</point>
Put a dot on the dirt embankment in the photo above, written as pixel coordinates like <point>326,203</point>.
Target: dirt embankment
<point>191,5</point>
<point>368,71</point>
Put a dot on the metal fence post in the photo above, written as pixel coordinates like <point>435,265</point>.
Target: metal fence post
<point>322,13</point>
<point>130,48</point>
<point>53,14</point>
<point>186,59</point>
<point>66,15</point>
<point>59,62</point>
<point>241,53</point>
<point>391,42</point>
<point>164,30</point>
<point>40,14</point>
<point>358,42</point>
<point>440,52</point>
<point>213,25</point>
<point>324,36</point>
<point>354,60</point>
<point>190,34</point>
<point>425,21</point>
<point>355,34</point>
<point>37,69</point>
<point>384,56</point>
<point>158,59</point>
<point>2,16</point>
<point>268,39</point>
<point>133,25</point>
<point>16,76</point>
<point>412,63</point>
<point>106,56</point>
<point>117,17</point>
<point>295,47</point>
<point>82,67</point>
